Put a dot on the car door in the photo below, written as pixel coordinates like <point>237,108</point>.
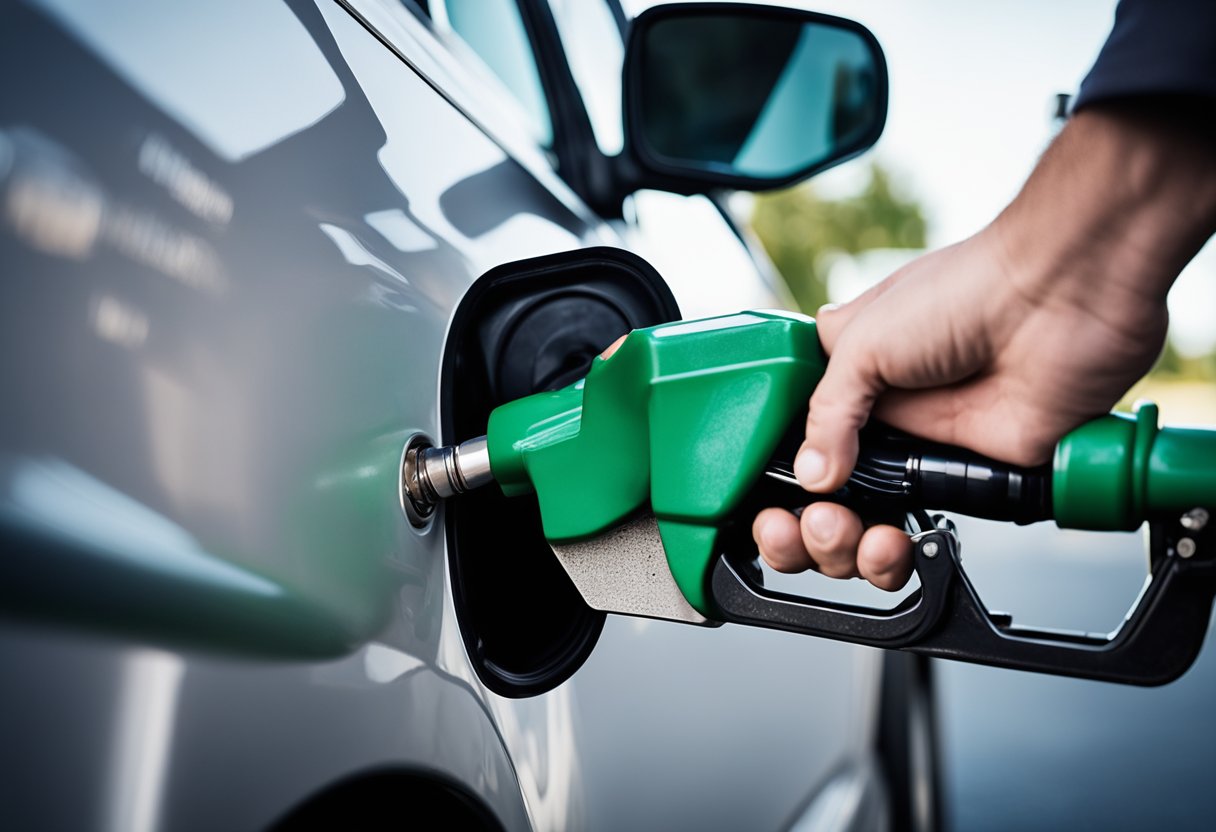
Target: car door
<point>234,237</point>
<point>243,241</point>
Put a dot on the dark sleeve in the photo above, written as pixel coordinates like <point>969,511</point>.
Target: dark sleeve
<point>1157,47</point>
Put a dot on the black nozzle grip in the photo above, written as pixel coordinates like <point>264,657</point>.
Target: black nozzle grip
<point>928,475</point>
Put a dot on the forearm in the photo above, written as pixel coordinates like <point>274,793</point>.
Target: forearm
<point>1120,202</point>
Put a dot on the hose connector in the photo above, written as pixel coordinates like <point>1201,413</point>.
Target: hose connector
<point>1120,470</point>
<point>430,475</point>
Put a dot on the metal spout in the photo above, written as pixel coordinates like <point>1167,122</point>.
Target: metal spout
<point>430,474</point>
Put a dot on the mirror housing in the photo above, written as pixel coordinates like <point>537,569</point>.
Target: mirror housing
<point>747,97</point>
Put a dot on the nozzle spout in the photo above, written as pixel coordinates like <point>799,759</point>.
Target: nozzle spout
<point>430,474</point>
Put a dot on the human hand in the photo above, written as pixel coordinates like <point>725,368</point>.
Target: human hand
<point>1006,341</point>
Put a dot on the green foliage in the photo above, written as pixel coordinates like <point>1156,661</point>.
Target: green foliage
<point>798,228</point>
<point>1173,366</point>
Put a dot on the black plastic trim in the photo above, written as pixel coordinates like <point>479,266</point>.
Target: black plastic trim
<point>580,163</point>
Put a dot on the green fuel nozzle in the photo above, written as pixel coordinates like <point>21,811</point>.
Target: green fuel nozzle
<point>688,421</point>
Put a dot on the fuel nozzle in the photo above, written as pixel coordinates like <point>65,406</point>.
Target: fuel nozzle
<point>430,474</point>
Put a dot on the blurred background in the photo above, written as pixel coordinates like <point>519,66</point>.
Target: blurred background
<point>974,100</point>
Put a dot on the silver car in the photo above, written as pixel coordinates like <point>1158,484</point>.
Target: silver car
<point>251,248</point>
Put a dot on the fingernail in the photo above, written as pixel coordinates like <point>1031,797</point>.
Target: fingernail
<point>827,307</point>
<point>822,522</point>
<point>809,468</point>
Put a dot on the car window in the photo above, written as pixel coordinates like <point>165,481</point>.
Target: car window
<point>593,46</point>
<point>495,30</point>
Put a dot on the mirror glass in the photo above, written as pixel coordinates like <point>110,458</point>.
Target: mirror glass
<point>762,97</point>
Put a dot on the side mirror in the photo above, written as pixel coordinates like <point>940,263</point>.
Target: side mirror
<point>748,97</point>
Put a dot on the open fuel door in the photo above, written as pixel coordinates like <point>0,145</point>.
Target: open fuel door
<point>527,327</point>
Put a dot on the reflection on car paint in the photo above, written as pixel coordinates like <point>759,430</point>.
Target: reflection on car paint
<point>193,189</point>
<point>471,93</point>
<point>398,229</point>
<point>144,722</point>
<point>48,201</point>
<point>455,155</point>
<point>356,254</point>
<point>63,501</point>
<point>117,321</point>
<point>263,91</point>
<point>467,207</point>
<point>142,236</point>
<point>56,207</point>
<point>386,664</point>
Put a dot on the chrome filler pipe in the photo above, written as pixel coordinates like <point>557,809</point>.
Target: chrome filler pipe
<point>430,474</point>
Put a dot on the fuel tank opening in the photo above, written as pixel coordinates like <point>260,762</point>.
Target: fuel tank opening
<point>523,328</point>
<point>416,504</point>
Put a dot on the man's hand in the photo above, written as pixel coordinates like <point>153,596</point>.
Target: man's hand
<point>1008,340</point>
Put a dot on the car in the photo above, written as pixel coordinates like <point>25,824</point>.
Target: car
<point>253,249</point>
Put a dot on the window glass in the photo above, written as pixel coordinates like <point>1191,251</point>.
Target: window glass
<point>495,30</point>
<point>593,47</point>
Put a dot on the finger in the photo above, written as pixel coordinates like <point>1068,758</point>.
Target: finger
<point>833,318</point>
<point>830,533</point>
<point>840,406</point>
<point>613,347</point>
<point>780,541</point>
<point>884,557</point>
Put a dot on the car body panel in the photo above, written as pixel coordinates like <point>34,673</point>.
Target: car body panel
<point>255,440</point>
<point>219,326</point>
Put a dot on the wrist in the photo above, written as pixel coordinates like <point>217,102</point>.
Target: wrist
<point>1120,202</point>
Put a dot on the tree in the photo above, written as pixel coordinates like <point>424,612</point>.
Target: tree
<point>798,228</point>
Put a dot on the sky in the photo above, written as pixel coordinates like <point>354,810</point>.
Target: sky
<point>972,92</point>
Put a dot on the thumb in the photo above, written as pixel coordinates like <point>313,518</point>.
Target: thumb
<point>832,318</point>
<point>840,406</point>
